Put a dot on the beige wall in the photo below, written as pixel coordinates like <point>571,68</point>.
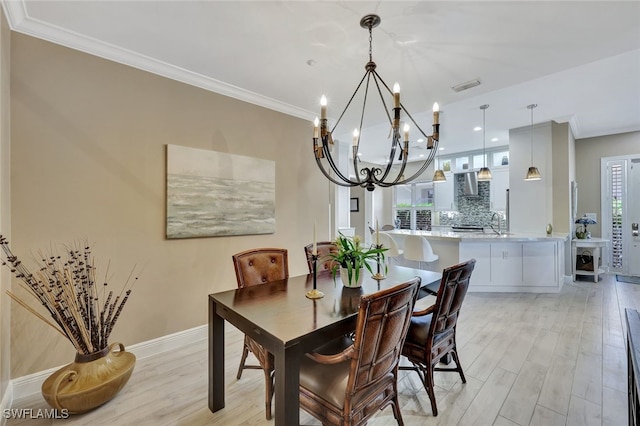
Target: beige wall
<point>88,162</point>
<point>589,152</point>
<point>562,138</point>
<point>5,201</point>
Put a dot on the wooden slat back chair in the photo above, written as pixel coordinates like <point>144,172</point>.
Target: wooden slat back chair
<point>254,267</point>
<point>349,387</point>
<point>432,333</point>
<point>325,262</point>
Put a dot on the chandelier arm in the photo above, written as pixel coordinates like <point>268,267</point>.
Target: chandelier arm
<point>357,147</point>
<point>396,135</point>
<point>377,79</point>
<point>330,178</point>
<point>413,121</point>
<point>425,165</point>
<point>336,170</point>
<point>350,100</point>
<point>355,163</point>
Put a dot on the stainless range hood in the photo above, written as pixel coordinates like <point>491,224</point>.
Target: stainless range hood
<point>470,185</point>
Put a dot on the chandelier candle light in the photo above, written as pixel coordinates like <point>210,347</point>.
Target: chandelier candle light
<point>370,177</point>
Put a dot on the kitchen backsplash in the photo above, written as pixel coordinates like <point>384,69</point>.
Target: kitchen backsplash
<point>472,209</point>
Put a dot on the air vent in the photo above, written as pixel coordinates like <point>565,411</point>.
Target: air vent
<point>466,85</point>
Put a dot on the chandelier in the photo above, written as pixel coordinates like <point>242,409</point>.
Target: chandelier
<point>391,173</point>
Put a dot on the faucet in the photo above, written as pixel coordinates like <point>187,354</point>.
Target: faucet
<point>499,230</point>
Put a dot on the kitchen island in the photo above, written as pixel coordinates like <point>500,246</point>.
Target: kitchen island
<point>507,262</point>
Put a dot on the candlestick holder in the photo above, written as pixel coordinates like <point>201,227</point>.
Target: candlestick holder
<point>315,293</point>
<point>378,275</point>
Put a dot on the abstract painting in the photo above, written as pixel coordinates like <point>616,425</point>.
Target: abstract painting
<point>211,194</point>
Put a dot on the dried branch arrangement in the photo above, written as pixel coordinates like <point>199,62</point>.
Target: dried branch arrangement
<point>66,286</point>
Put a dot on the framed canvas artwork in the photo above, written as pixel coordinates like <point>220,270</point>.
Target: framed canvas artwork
<point>211,194</point>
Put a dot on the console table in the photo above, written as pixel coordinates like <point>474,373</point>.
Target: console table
<point>594,245</point>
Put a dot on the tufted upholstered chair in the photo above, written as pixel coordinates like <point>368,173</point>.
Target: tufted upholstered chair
<point>432,333</point>
<point>348,387</point>
<point>254,267</point>
<point>325,262</point>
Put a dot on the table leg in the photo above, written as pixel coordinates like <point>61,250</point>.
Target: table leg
<point>574,253</point>
<point>287,383</point>
<point>596,262</point>
<point>216,359</point>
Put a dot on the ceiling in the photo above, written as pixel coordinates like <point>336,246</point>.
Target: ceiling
<point>579,61</point>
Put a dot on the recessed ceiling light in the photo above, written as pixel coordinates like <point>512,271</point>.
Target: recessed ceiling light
<point>477,129</point>
<point>441,148</point>
<point>359,154</point>
<point>420,140</point>
<point>495,140</point>
<point>311,62</point>
<point>421,155</point>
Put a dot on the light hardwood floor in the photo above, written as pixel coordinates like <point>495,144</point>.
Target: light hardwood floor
<point>529,359</point>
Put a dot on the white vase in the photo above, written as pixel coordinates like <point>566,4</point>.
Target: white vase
<point>344,276</point>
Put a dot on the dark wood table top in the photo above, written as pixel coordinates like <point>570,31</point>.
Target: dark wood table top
<point>282,310</point>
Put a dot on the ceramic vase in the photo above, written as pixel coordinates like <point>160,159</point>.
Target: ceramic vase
<point>90,381</point>
<point>344,276</point>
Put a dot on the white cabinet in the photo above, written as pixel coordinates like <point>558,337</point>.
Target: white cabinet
<point>482,254</point>
<point>498,189</point>
<point>506,263</point>
<point>539,266</point>
<point>443,193</point>
<point>529,266</point>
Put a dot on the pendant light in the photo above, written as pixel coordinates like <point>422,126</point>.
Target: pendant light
<point>532,173</point>
<point>438,175</point>
<point>484,173</point>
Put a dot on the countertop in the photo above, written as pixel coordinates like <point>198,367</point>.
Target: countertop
<point>481,236</point>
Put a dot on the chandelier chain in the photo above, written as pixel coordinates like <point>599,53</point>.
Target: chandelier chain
<point>370,44</point>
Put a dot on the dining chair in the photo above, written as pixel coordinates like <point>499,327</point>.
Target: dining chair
<point>254,267</point>
<point>325,262</point>
<point>389,243</point>
<point>432,332</point>
<point>418,249</point>
<point>348,387</point>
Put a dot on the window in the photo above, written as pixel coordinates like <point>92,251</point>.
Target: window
<point>462,163</point>
<point>500,158</point>
<point>413,205</point>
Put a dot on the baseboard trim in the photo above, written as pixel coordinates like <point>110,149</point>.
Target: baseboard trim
<point>7,401</point>
<point>31,384</point>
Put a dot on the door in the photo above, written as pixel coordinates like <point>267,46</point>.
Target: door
<point>633,215</point>
<point>621,213</point>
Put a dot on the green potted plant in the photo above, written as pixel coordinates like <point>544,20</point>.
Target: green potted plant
<point>352,258</point>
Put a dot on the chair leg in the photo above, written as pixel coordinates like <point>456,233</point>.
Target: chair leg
<point>245,352</point>
<point>454,354</point>
<point>396,410</point>
<point>268,392</point>
<point>430,390</point>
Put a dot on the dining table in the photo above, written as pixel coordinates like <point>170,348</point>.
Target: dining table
<point>279,316</point>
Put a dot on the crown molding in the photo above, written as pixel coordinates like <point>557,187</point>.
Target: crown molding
<point>19,21</point>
